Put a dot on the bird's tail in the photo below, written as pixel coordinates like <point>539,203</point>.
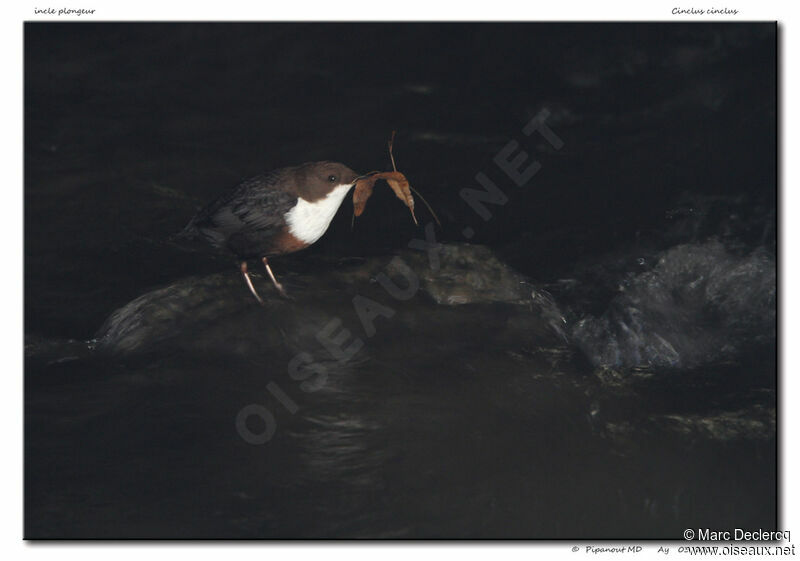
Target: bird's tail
<point>189,239</point>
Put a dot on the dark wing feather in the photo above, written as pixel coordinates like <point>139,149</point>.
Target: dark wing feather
<point>253,209</point>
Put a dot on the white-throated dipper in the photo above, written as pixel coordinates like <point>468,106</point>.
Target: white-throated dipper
<point>278,212</point>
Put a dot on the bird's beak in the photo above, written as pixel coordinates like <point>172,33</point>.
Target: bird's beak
<point>365,176</point>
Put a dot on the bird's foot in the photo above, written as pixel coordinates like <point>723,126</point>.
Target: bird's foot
<point>250,283</point>
<point>282,291</point>
<point>278,285</point>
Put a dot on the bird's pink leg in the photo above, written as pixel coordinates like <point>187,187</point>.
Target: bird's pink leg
<point>243,268</point>
<point>278,285</point>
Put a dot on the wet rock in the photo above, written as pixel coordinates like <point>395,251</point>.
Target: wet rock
<point>699,303</point>
<point>753,423</point>
<point>218,312</point>
<point>466,274</point>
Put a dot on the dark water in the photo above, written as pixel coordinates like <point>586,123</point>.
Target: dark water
<point>597,362</point>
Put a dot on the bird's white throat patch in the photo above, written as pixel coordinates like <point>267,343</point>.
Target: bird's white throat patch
<point>308,221</point>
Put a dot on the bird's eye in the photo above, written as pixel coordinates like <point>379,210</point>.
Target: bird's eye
<point>332,178</point>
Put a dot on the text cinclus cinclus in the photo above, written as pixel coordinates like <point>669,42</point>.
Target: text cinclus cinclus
<point>281,211</point>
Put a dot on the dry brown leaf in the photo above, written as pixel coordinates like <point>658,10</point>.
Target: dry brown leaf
<point>362,192</point>
<point>396,180</point>
<point>399,184</point>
